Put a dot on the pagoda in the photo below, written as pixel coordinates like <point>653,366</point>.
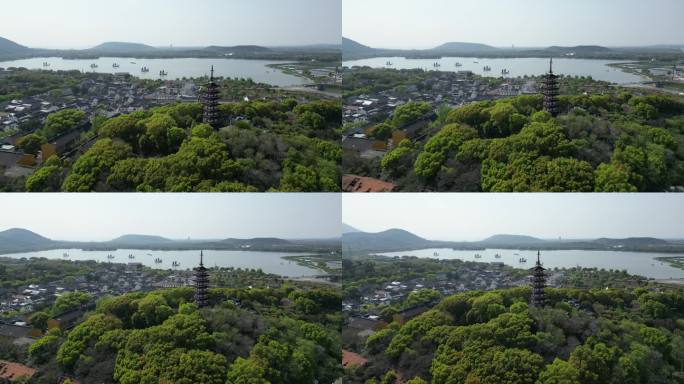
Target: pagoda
<point>210,102</point>
<point>550,91</point>
<point>538,281</point>
<point>201,283</point>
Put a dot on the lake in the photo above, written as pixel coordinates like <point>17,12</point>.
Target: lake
<point>636,263</point>
<point>257,70</point>
<point>269,262</point>
<point>597,69</point>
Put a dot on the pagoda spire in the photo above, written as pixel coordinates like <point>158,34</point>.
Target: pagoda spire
<point>210,102</point>
<point>538,282</point>
<point>550,90</point>
<point>201,283</point>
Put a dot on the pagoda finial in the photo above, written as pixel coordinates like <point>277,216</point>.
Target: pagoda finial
<point>551,65</point>
<point>538,257</point>
<point>212,73</point>
<point>201,258</point>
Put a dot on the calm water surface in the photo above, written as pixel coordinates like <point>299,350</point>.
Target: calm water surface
<point>636,263</point>
<point>597,69</point>
<point>269,262</point>
<point>176,68</point>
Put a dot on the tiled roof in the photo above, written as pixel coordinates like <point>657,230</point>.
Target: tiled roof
<point>353,183</point>
<point>11,371</point>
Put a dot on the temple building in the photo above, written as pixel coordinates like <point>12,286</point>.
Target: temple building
<point>201,283</point>
<point>550,90</point>
<point>210,102</point>
<point>538,281</point>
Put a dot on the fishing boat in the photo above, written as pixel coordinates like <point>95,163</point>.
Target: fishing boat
<point>163,73</point>
<point>522,260</point>
<point>486,68</point>
<point>478,256</point>
<point>157,260</point>
<point>65,254</point>
<point>505,71</point>
<point>115,65</point>
<point>389,64</point>
<point>175,264</point>
<point>130,256</point>
<point>435,254</point>
<point>110,256</point>
<point>457,64</point>
<point>46,64</point>
<point>93,65</point>
<point>497,256</point>
<point>144,69</point>
<point>436,65</point>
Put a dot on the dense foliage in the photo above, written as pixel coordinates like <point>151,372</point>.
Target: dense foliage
<point>612,143</point>
<point>260,335</point>
<point>580,336</point>
<point>271,146</point>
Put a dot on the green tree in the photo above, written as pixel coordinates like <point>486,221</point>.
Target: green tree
<point>409,113</point>
<point>559,372</point>
<point>44,349</point>
<point>31,143</point>
<point>39,320</point>
<point>61,122</point>
<point>382,131</point>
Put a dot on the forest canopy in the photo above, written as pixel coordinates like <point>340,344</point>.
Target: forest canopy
<point>260,335</point>
<point>631,335</point>
<point>268,145</point>
<point>615,142</point>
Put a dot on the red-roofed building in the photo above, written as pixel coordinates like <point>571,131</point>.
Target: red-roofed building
<point>350,359</point>
<point>13,371</point>
<point>353,183</point>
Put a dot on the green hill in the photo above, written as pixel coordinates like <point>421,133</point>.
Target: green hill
<point>8,47</point>
<point>115,46</point>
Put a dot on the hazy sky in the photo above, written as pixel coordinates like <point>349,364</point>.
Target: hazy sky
<point>457,216</point>
<point>98,217</point>
<point>86,23</point>
<point>424,24</point>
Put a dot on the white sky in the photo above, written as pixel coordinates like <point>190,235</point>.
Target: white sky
<point>426,24</point>
<point>86,23</point>
<point>96,217</point>
<point>468,217</point>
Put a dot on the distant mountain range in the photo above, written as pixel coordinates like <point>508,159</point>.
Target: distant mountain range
<point>324,52</point>
<point>22,240</point>
<point>394,240</point>
<point>352,50</point>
